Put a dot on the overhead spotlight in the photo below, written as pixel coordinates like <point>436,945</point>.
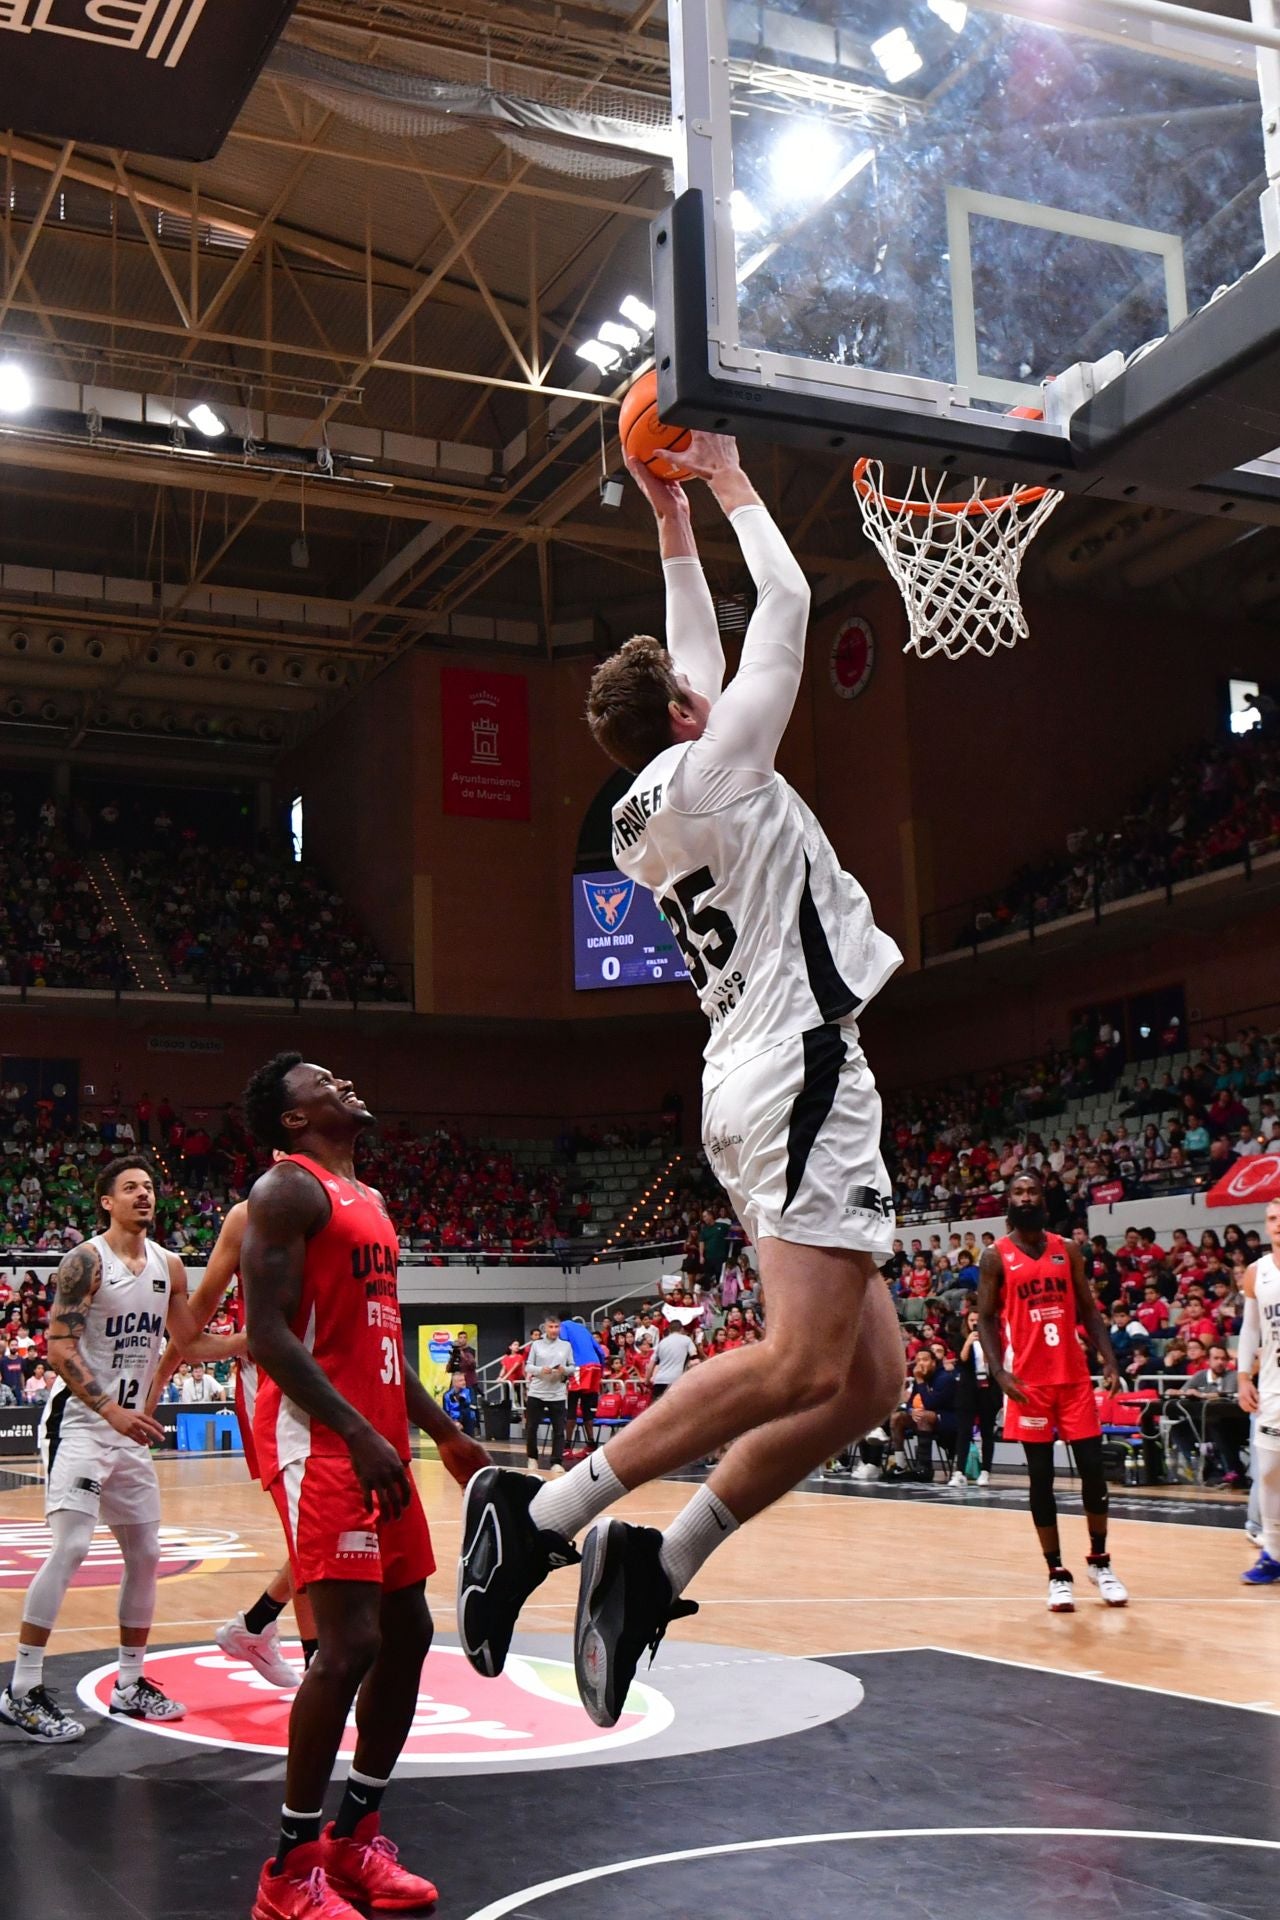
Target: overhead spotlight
<point>600,355</point>
<point>48,711</point>
<point>294,669</point>
<point>19,640</point>
<point>300,553</point>
<point>14,708</point>
<point>635,310</point>
<point>259,664</point>
<point>743,212</point>
<point>896,55</point>
<point>223,662</point>
<point>16,392</point>
<point>94,648</point>
<point>953,13</point>
<point>611,491</point>
<point>187,658</point>
<point>803,160</point>
<point>57,643</point>
<point>203,418</point>
<point>614,334</point>
<point>137,720</point>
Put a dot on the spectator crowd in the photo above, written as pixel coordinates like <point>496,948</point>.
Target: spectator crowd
<point>1219,801</point>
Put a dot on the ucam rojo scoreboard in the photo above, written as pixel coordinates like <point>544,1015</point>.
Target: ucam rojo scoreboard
<point>620,939</point>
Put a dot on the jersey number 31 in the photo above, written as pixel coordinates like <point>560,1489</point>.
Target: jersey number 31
<point>705,935</point>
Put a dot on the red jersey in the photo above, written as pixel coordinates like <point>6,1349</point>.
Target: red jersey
<point>349,1320</point>
<point>1041,1314</point>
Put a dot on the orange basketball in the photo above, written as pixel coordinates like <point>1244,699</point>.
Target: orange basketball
<point>643,436</point>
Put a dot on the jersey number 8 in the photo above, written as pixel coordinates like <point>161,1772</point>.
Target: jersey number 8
<point>705,935</point>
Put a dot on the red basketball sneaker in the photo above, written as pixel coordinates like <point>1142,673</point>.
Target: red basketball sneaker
<point>366,1868</point>
<point>302,1890</point>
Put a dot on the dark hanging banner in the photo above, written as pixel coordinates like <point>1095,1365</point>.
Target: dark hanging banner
<point>153,76</point>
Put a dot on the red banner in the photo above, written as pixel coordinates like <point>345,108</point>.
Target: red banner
<point>484,719</point>
<point>1253,1181</point>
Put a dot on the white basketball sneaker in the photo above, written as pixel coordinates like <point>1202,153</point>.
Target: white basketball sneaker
<point>143,1700</point>
<point>261,1650</point>
<point>957,1479</point>
<point>1110,1587</point>
<point>984,1478</point>
<point>1062,1592</point>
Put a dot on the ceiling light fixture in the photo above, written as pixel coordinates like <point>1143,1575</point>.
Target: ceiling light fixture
<point>953,13</point>
<point>600,355</point>
<point>803,160</point>
<point>743,212</point>
<point>896,55</point>
<point>635,310</point>
<point>203,418</point>
<point>15,387</point>
<point>614,334</point>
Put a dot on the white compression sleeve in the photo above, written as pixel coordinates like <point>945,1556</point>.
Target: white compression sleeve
<point>1250,1336</point>
<point>693,632</point>
<point>71,1533</point>
<point>140,1551</point>
<point>749,719</point>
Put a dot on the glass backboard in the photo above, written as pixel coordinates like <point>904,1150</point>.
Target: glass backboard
<point>913,213</point>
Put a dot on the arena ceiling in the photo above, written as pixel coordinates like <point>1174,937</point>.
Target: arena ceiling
<point>378,287</point>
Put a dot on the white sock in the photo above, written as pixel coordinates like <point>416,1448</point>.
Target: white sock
<point>693,1537</point>
<point>565,1506</point>
<point>131,1659</point>
<point>28,1671</point>
<point>899,1459</point>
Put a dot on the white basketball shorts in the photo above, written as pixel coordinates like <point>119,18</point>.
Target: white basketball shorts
<point>793,1136</point>
<point>113,1479</point>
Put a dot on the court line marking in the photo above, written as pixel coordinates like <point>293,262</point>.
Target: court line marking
<point>510,1902</point>
<point>1005,1504</point>
<point>1062,1673</point>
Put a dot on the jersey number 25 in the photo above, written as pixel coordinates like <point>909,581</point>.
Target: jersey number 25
<point>705,935</point>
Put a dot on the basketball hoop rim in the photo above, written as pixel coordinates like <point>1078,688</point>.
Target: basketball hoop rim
<point>1016,496</point>
<point>926,509</point>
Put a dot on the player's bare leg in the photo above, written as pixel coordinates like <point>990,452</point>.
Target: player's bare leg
<point>361,1864</point>
<point>813,1385</point>
<point>766,1463</point>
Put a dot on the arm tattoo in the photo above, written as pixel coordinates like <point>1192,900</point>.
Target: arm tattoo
<point>77,1282</point>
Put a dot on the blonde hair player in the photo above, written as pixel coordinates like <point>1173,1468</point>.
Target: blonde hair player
<point>784,954</point>
<point>252,1634</point>
<point>115,1294</point>
<point>1260,1349</point>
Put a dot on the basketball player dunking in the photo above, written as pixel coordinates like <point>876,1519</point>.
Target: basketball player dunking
<point>1033,1303</point>
<point>784,953</point>
<point>253,1634</point>
<point>1260,1348</point>
<point>115,1294</point>
<point>335,1399</point>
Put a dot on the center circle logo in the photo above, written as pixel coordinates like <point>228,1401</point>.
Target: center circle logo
<point>530,1712</point>
<point>25,1545</point>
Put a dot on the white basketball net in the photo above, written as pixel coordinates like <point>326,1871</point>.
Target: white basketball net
<point>955,562</point>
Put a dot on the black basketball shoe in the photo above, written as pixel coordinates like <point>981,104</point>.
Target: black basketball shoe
<point>625,1604</point>
<point>504,1558</point>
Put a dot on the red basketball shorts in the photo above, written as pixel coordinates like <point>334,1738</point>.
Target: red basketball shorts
<point>334,1534</point>
<point>1064,1413</point>
<point>246,1397</point>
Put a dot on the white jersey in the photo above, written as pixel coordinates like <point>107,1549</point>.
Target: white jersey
<point>1266,1287</point>
<point>777,937</point>
<point>121,1342</point>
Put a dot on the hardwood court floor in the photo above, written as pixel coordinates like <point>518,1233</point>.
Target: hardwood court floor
<point>820,1574</point>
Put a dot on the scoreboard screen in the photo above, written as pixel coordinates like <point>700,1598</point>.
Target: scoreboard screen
<point>619,937</point>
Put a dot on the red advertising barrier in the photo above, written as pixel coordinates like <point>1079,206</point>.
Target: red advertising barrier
<point>484,719</point>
